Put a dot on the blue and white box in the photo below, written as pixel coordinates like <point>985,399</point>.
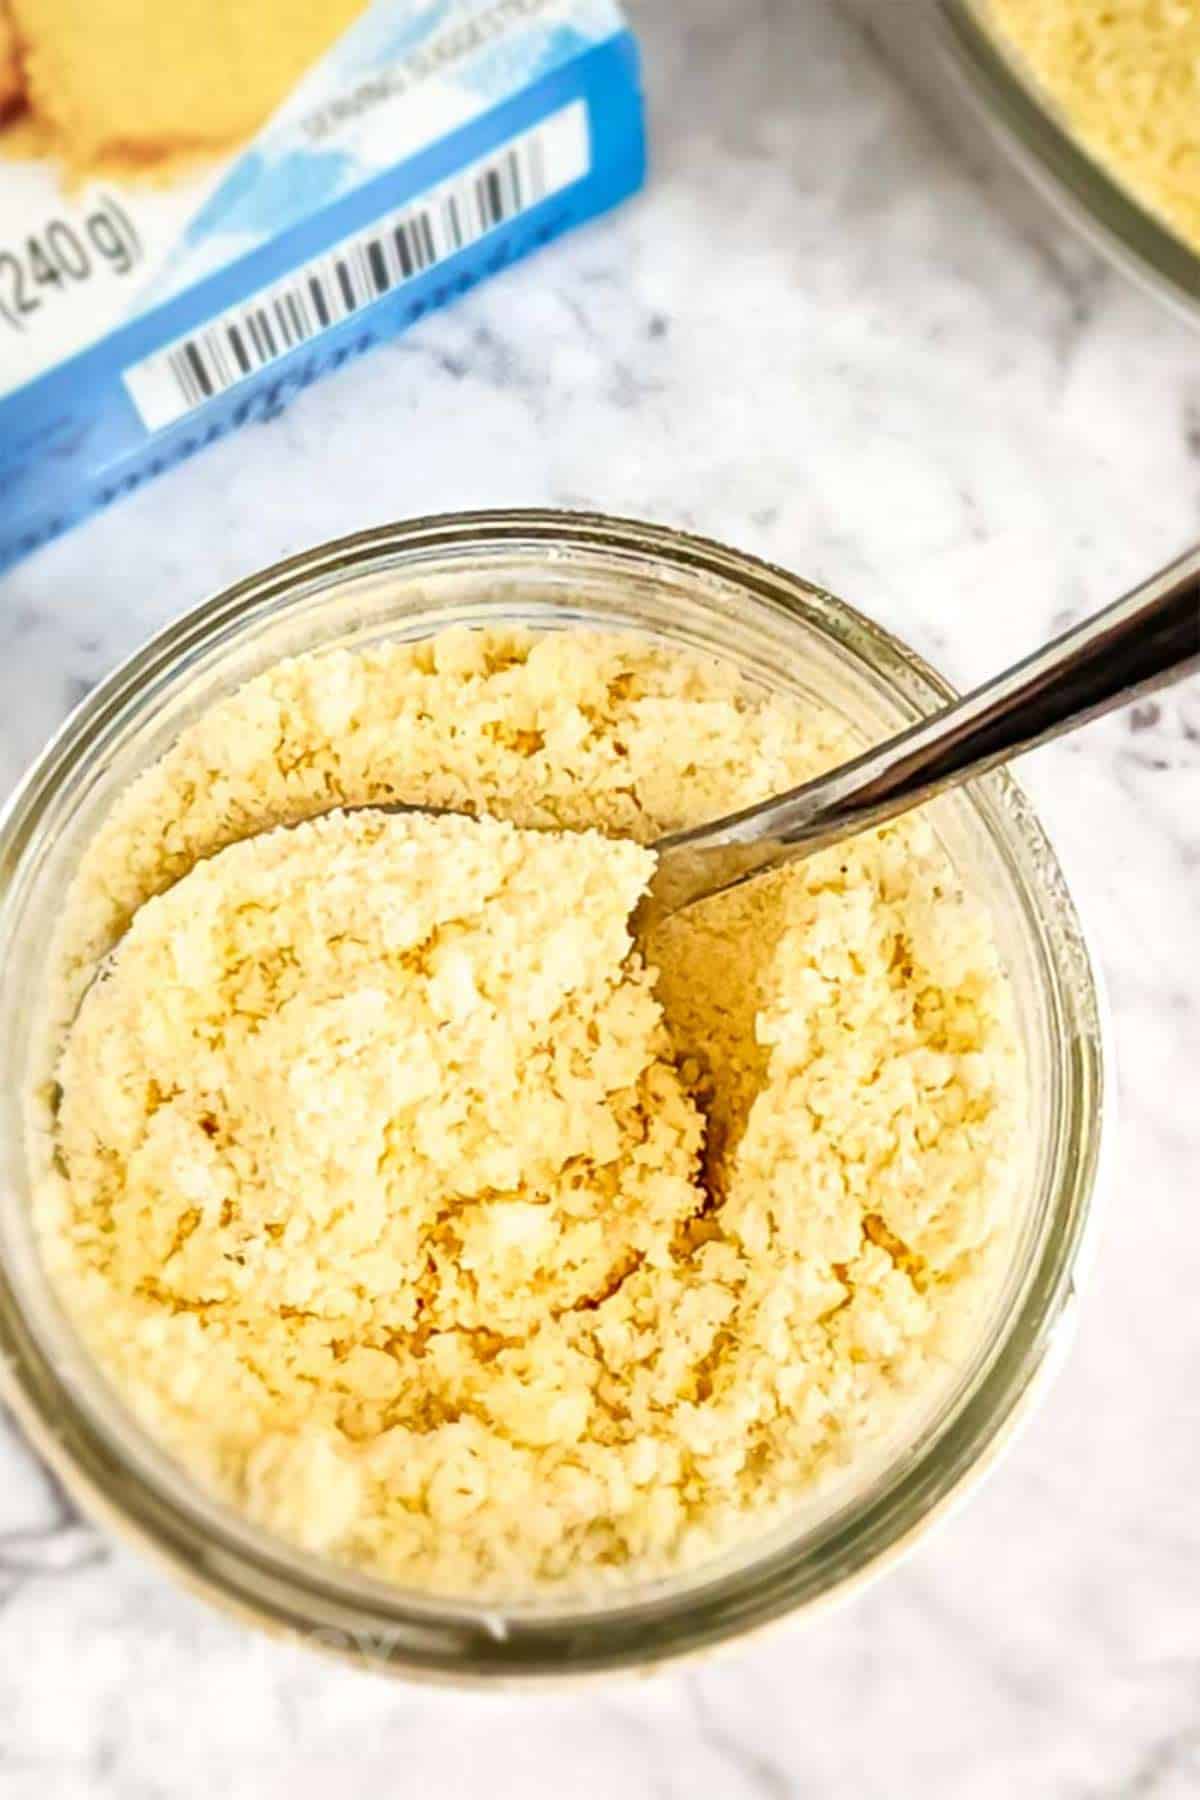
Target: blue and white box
<point>438,141</point>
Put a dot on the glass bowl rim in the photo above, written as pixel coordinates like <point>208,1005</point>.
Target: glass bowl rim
<point>428,1637</point>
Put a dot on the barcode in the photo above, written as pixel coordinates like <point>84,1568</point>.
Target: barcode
<point>361,269</point>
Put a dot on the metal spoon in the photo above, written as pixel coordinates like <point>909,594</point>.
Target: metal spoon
<point>1145,641</point>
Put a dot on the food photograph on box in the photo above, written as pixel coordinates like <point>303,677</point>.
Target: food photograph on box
<point>599,939</point>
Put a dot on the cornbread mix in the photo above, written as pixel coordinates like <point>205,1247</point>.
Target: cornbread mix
<point>433,1227</point>
<point>1126,81</point>
<point>206,205</point>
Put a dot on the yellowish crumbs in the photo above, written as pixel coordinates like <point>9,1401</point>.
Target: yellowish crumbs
<point>1126,78</point>
<point>427,1224</point>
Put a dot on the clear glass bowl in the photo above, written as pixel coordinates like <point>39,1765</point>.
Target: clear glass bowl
<point>1088,192</point>
<point>554,570</point>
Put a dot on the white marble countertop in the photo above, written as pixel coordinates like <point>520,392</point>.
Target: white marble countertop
<point>835,332</point>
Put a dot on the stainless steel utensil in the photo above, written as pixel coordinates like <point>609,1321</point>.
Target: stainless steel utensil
<point>1145,641</point>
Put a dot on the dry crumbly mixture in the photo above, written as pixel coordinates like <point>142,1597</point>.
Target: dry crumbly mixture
<point>1126,76</point>
<point>127,86</point>
<point>430,1228</point>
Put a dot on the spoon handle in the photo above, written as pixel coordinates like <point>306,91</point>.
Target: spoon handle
<point>1145,641</point>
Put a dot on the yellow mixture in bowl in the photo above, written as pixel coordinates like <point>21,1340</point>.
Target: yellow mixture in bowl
<point>1125,78</point>
<point>427,1224</point>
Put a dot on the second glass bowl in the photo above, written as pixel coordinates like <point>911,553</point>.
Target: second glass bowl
<point>1084,189</point>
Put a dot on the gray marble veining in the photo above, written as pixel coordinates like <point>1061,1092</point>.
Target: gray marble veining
<point>838,332</point>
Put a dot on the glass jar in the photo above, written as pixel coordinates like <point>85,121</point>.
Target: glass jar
<point>1085,190</point>
<point>540,570</point>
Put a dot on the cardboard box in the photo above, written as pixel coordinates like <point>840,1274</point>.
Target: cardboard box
<point>436,142</point>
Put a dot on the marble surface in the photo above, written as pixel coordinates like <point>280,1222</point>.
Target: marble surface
<point>838,332</point>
